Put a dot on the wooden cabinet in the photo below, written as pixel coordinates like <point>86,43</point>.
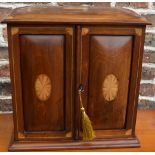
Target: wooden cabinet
<point>52,51</point>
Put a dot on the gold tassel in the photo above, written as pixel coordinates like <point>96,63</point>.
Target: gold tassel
<point>88,132</point>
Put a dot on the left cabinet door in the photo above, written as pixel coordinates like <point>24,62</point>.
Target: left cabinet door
<point>41,70</point>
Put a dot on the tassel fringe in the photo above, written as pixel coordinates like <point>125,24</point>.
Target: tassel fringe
<point>87,129</point>
<point>88,132</point>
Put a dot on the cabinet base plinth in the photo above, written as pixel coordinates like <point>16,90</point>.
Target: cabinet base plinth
<point>96,144</point>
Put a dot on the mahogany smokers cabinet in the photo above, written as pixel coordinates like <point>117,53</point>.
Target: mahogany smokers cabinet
<point>52,51</point>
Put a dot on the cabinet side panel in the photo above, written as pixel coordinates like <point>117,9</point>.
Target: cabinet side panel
<point>42,72</point>
<point>109,74</point>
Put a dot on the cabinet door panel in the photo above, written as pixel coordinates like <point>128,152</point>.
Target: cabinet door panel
<point>108,59</point>
<point>109,70</point>
<point>42,67</point>
<point>42,85</point>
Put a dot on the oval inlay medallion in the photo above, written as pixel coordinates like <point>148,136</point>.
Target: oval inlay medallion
<point>110,87</point>
<point>43,87</point>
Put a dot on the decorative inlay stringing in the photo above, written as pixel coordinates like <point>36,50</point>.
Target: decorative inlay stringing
<point>43,87</point>
<point>110,87</point>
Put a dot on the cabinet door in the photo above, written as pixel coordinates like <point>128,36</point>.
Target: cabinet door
<point>42,81</point>
<point>109,71</point>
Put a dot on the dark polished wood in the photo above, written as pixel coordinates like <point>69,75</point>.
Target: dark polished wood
<point>78,15</point>
<point>60,49</point>
<point>102,56</point>
<point>107,56</point>
<point>37,53</point>
<point>34,115</point>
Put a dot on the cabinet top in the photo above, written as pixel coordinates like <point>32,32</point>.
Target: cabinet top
<point>74,15</point>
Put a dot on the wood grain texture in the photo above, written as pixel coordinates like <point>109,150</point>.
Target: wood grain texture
<point>91,48</point>
<point>38,52</point>
<point>119,41</point>
<point>57,109</point>
<point>82,15</point>
<point>134,51</point>
<point>108,55</point>
<point>145,130</point>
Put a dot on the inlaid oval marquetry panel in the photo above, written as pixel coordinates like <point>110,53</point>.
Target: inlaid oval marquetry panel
<point>43,87</point>
<point>110,87</point>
